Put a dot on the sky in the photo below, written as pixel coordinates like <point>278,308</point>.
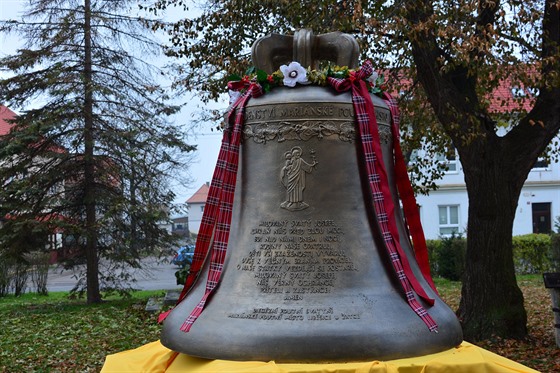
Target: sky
<point>208,142</point>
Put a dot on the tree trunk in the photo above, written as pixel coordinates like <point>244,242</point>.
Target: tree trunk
<point>491,301</point>
<point>92,259</point>
<point>495,169</point>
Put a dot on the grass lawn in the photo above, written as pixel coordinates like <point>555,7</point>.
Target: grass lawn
<point>57,334</point>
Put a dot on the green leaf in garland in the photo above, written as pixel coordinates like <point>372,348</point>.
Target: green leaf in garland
<point>277,78</point>
<point>234,78</point>
<point>315,77</point>
<point>262,76</point>
<point>340,72</point>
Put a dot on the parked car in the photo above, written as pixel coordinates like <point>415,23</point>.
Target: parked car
<point>183,256</point>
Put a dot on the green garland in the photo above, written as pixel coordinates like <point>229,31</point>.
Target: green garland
<point>314,77</point>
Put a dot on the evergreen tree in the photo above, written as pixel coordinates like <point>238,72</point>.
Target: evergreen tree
<point>446,59</point>
<point>92,150</point>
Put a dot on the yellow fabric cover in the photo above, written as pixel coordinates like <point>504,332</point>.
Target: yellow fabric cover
<point>155,358</point>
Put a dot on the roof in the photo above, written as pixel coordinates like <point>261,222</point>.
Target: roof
<point>5,127</point>
<point>5,114</point>
<point>200,195</point>
<point>510,97</point>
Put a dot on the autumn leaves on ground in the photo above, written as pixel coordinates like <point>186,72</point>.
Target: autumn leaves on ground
<point>56,334</point>
<point>539,350</point>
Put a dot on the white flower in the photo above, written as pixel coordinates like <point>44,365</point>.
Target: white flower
<point>373,78</point>
<point>293,73</point>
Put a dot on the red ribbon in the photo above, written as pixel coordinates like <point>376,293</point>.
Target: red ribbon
<point>379,187</point>
<point>216,219</point>
<point>407,196</point>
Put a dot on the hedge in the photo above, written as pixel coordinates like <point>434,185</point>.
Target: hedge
<point>532,253</point>
<point>447,257</point>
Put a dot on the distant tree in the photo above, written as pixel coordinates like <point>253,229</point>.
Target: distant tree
<point>453,55</point>
<point>92,151</point>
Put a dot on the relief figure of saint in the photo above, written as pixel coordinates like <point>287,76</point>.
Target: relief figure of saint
<point>293,179</point>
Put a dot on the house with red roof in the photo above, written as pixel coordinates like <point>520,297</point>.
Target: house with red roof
<point>5,115</point>
<point>445,211</point>
<point>195,206</point>
<point>55,242</point>
<point>55,239</point>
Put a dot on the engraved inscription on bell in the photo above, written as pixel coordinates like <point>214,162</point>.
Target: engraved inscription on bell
<point>304,121</point>
<point>293,178</point>
<point>297,260</point>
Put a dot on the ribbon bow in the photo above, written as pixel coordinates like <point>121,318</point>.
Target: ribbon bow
<point>356,79</point>
<point>248,89</point>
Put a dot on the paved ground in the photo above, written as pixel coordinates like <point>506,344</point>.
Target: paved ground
<point>154,276</point>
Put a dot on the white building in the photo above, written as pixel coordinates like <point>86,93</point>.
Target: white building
<point>195,206</point>
<point>446,210</point>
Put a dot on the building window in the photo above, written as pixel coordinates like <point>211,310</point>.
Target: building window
<point>518,92</point>
<point>542,222</point>
<point>533,91</point>
<point>448,220</point>
<point>449,161</point>
<point>201,208</point>
<point>541,164</point>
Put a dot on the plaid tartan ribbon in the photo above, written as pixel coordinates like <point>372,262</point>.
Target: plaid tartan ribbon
<point>216,220</point>
<point>379,187</point>
<point>406,194</point>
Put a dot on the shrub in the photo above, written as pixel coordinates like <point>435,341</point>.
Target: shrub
<point>181,275</point>
<point>39,262</point>
<point>451,257</point>
<point>20,275</point>
<point>433,247</point>
<point>447,257</point>
<point>531,253</point>
<point>5,276</point>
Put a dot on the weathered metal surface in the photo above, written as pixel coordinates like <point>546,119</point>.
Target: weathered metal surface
<point>271,51</point>
<point>306,276</point>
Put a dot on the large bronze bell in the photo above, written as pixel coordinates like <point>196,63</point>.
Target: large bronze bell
<point>306,277</point>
